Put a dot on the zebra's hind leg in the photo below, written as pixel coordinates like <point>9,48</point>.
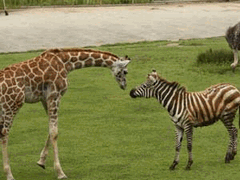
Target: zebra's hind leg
<point>232,131</point>
<point>179,135</point>
<point>235,132</point>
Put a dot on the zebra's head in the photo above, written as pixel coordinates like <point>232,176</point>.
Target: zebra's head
<point>119,71</point>
<point>146,89</point>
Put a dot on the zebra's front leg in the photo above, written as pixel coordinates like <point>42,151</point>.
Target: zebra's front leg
<point>189,134</point>
<point>179,135</point>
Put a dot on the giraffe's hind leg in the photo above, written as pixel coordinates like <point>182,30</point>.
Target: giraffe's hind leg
<point>232,131</point>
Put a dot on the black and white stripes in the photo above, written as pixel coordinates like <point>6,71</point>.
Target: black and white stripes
<point>194,109</point>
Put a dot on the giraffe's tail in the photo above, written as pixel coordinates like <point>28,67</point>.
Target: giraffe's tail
<point>6,13</point>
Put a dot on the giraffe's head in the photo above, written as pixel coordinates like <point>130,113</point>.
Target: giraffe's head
<point>119,70</point>
<point>146,89</point>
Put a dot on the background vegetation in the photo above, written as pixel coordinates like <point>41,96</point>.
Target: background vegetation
<point>19,3</point>
<point>104,134</point>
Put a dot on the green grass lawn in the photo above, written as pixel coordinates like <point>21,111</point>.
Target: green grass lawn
<point>104,134</point>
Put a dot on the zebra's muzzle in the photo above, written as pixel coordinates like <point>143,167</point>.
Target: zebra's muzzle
<point>132,93</point>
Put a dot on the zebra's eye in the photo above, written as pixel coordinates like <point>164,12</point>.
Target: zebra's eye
<point>144,85</point>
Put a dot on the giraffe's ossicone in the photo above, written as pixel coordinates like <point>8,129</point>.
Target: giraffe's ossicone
<point>44,78</point>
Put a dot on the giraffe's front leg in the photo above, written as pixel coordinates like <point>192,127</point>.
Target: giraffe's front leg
<point>6,165</point>
<point>53,103</point>
<point>44,154</point>
<point>179,135</point>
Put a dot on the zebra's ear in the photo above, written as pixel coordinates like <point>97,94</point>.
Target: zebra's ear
<point>151,78</point>
<point>154,73</point>
<point>127,58</point>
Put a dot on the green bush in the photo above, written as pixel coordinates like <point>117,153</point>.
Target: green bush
<point>220,56</point>
<point>18,3</point>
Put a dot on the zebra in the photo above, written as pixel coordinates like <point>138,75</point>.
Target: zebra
<point>194,109</point>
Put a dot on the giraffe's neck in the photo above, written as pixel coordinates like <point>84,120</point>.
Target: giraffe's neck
<point>80,58</point>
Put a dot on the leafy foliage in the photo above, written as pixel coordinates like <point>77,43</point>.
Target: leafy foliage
<point>218,56</point>
<point>19,3</point>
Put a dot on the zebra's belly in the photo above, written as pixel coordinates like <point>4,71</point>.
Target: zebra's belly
<point>202,123</point>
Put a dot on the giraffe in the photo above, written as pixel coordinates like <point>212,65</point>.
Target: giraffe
<point>44,79</point>
<point>233,38</point>
<point>4,7</point>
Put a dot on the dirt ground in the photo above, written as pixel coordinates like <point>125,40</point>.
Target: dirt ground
<point>40,28</point>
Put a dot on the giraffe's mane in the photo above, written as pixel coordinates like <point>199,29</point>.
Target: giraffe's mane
<point>58,50</point>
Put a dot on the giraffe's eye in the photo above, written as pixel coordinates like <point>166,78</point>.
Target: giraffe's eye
<point>119,73</point>
<point>125,72</point>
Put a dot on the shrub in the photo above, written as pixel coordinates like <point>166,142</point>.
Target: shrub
<point>220,56</point>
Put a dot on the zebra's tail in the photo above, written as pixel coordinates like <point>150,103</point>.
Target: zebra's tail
<point>239,117</point>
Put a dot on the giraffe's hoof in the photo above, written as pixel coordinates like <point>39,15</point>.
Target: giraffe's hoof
<point>41,165</point>
<point>62,177</point>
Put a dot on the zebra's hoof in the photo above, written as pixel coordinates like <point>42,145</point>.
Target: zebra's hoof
<point>174,164</point>
<point>229,157</point>
<point>188,167</point>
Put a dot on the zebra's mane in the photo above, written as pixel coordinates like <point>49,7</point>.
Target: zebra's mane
<point>174,84</point>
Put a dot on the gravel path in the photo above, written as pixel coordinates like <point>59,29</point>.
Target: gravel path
<point>41,28</point>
